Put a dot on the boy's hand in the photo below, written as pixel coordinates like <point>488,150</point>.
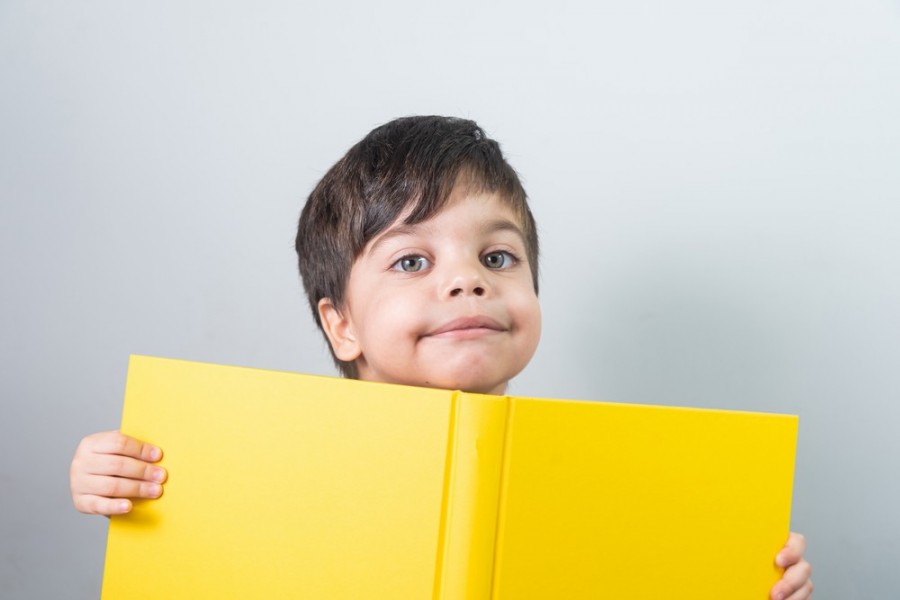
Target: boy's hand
<point>795,584</point>
<point>108,468</point>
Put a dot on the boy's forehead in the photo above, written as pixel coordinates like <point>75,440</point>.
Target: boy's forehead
<point>491,213</point>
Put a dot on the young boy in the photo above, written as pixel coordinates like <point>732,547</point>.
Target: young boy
<point>419,256</point>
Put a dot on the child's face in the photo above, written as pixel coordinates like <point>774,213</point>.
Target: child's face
<point>447,303</point>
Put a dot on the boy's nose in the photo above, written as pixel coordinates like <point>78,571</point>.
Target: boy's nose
<point>466,281</point>
<point>476,290</point>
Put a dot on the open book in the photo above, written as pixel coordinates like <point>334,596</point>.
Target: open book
<point>284,485</point>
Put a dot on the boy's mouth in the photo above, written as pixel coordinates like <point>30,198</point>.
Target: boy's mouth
<point>467,328</point>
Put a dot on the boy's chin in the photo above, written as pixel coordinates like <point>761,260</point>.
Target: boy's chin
<point>475,374</point>
<point>473,385</point>
<point>494,390</point>
<point>464,384</point>
<point>471,378</point>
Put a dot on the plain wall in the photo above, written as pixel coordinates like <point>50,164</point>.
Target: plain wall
<point>717,187</point>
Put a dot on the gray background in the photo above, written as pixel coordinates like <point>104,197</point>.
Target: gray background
<point>717,187</point>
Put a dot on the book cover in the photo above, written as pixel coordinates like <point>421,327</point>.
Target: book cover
<point>284,485</point>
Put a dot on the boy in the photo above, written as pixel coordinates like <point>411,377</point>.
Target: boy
<point>418,253</point>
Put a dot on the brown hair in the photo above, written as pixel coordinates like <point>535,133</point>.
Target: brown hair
<point>407,166</point>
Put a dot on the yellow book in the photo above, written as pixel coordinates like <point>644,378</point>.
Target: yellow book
<point>295,486</point>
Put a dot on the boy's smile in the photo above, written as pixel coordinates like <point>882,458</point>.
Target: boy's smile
<point>467,328</point>
<point>448,302</point>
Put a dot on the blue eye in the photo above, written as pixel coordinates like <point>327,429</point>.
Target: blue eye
<point>411,264</point>
<point>498,260</point>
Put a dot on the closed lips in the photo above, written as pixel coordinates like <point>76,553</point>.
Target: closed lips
<point>467,323</point>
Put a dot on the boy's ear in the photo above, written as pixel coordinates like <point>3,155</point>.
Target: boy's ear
<point>339,331</point>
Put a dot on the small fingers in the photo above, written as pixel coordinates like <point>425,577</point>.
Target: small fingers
<point>793,550</point>
<point>103,495</point>
<point>795,584</point>
<point>97,505</point>
<point>120,488</point>
<point>804,593</point>
<point>108,468</point>
<point>124,466</point>
<point>116,443</point>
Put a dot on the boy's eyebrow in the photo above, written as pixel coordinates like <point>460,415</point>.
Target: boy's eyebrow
<point>488,227</point>
<point>497,225</point>
<point>399,231</point>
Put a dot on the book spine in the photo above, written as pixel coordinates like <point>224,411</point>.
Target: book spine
<point>471,494</point>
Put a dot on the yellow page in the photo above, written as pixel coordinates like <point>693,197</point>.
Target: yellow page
<point>281,486</point>
<point>628,502</point>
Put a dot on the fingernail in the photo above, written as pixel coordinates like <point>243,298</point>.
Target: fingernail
<point>124,505</point>
<point>779,561</point>
<point>158,475</point>
<point>155,454</point>
<point>154,490</point>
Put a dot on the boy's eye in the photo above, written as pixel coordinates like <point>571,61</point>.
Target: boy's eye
<point>498,260</point>
<point>411,264</point>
